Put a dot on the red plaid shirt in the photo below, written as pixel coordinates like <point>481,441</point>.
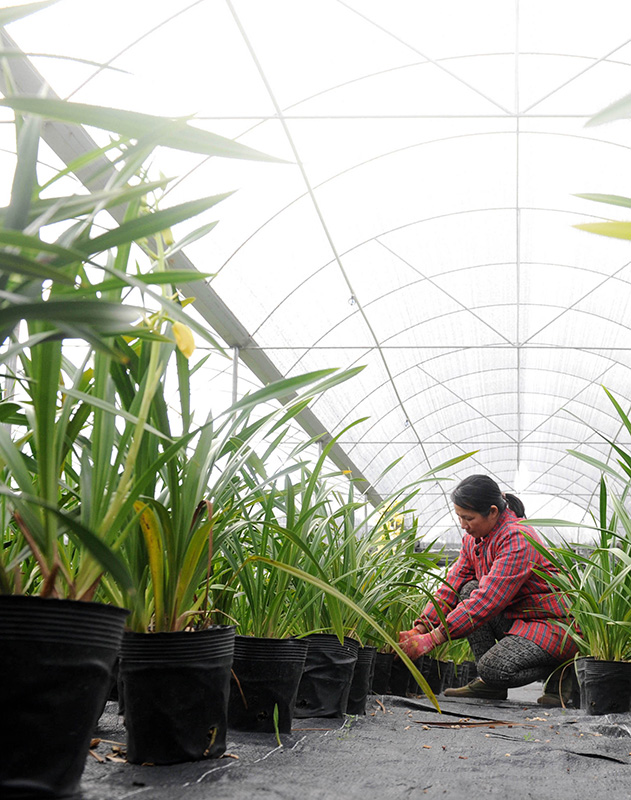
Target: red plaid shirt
<point>502,562</point>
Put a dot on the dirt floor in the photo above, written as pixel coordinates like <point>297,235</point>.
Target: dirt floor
<point>401,749</point>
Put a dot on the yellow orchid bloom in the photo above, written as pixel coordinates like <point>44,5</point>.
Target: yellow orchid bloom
<point>183,339</point>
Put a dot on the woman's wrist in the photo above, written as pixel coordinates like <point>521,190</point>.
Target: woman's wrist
<point>420,626</point>
<point>438,636</point>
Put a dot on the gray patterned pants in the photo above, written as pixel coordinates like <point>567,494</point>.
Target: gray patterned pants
<point>506,661</point>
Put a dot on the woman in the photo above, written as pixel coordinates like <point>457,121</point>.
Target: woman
<point>493,597</point>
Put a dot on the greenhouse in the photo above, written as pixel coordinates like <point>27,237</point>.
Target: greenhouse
<point>315,353</point>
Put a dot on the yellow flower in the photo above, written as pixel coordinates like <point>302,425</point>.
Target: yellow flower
<point>183,339</point>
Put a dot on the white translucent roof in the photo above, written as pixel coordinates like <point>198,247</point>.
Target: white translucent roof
<point>423,225</point>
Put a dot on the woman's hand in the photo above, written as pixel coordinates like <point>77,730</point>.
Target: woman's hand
<point>418,628</point>
<point>421,626</point>
<point>415,644</point>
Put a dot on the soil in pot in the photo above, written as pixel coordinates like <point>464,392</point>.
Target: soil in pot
<point>266,674</point>
<point>326,681</point>
<point>362,679</point>
<point>605,686</point>
<point>175,692</point>
<point>56,663</point>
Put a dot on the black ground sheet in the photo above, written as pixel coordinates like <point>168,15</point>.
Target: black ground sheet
<point>401,749</point>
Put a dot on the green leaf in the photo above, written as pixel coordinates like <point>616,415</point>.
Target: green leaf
<point>337,378</point>
<point>610,199</point>
<point>623,417</point>
<point>9,414</point>
<point>58,209</point>
<point>285,388</point>
<point>276,729</point>
<point>25,176</point>
<point>615,230</point>
<point>14,264</point>
<point>174,310</point>
<point>602,506</point>
<point>620,109</point>
<point>152,534</point>
<point>331,590</point>
<point>191,237</point>
<point>558,523</point>
<point>23,240</point>
<point>450,463</point>
<point>150,224</point>
<point>110,561</point>
<point>174,133</point>
<point>103,405</point>
<point>105,556</point>
<point>176,277</point>
<point>19,347</point>
<point>600,465</point>
<point>96,314</point>
<point>13,13</point>
<point>4,53</point>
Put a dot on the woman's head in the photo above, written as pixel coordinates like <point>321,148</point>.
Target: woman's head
<point>482,500</point>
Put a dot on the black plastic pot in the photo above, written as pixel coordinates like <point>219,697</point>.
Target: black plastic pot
<point>326,681</point>
<point>433,671</point>
<point>381,675</point>
<point>362,679</point>
<point>455,675</point>
<point>175,692</point>
<point>460,675</point>
<point>113,690</point>
<point>56,660</point>
<point>413,686</point>
<point>265,675</point>
<point>449,677</point>
<point>605,686</point>
<point>472,670</point>
<point>399,679</point>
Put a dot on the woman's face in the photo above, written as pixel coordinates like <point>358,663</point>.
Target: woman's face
<point>474,523</point>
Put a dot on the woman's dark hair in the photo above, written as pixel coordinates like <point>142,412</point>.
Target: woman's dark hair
<point>479,492</point>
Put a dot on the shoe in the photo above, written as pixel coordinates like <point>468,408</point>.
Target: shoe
<point>477,688</point>
<point>561,693</point>
<point>550,700</point>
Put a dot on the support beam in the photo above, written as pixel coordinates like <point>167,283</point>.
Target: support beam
<point>235,374</point>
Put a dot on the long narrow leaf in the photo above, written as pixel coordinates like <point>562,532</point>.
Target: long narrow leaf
<point>177,134</point>
<point>25,177</point>
<point>105,556</point>
<point>620,109</point>
<point>155,549</point>
<point>15,264</point>
<point>615,230</point>
<point>13,13</point>
<point>97,314</point>
<point>150,224</point>
<point>331,590</point>
<point>610,199</point>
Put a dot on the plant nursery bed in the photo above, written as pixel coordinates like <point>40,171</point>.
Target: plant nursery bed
<point>402,748</point>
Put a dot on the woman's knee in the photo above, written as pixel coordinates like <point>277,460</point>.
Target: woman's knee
<point>493,669</point>
<point>467,589</point>
<point>514,661</point>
